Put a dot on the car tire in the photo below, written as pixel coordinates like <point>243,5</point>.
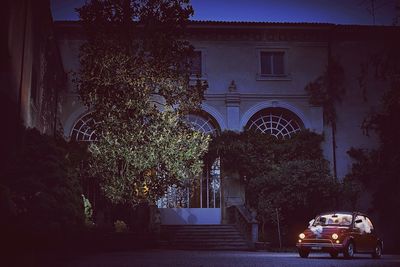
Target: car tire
<point>334,254</point>
<point>377,254</point>
<point>348,252</point>
<point>303,253</point>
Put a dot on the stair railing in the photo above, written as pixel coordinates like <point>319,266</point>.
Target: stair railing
<point>245,221</point>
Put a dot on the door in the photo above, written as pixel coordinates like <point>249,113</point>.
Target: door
<point>371,238</point>
<point>364,234</point>
<point>197,201</point>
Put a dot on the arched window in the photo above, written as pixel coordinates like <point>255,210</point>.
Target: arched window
<point>83,129</point>
<point>203,123</point>
<point>278,122</point>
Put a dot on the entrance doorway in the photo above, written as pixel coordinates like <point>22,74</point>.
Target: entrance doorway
<point>196,201</point>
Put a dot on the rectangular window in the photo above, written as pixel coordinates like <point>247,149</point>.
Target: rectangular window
<point>34,85</point>
<point>272,63</point>
<point>196,64</point>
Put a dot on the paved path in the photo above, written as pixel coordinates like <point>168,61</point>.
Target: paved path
<point>158,258</point>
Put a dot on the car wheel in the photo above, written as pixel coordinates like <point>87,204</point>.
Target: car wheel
<point>303,253</point>
<point>349,250</point>
<point>334,254</point>
<point>377,254</point>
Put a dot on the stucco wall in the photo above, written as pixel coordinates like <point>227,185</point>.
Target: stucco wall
<point>353,109</point>
<point>31,73</point>
<point>227,59</point>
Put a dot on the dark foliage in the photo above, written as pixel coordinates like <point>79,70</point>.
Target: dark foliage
<point>40,191</point>
<point>378,170</point>
<point>135,79</point>
<point>290,177</point>
<point>327,90</point>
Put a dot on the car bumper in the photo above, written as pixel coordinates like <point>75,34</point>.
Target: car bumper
<point>320,245</point>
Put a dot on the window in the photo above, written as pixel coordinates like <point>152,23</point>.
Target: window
<point>364,225</point>
<point>202,124</point>
<point>278,122</point>
<point>369,223</point>
<point>272,63</point>
<point>83,129</point>
<point>34,83</point>
<point>201,191</point>
<point>196,64</point>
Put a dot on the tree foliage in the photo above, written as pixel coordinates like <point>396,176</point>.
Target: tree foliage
<point>376,171</point>
<point>327,90</point>
<point>289,176</point>
<point>135,79</point>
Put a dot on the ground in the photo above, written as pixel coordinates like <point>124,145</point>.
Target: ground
<point>174,258</point>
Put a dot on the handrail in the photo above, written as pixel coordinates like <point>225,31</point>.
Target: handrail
<point>246,213</point>
<point>245,221</point>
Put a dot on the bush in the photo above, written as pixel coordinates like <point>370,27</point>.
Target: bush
<point>290,177</point>
<point>41,188</point>
<point>297,190</point>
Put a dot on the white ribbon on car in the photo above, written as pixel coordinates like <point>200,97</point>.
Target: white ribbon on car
<point>317,230</point>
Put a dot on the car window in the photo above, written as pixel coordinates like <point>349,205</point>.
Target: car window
<point>361,223</point>
<point>369,223</point>
<point>340,219</point>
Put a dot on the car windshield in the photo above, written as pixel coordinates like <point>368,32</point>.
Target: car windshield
<point>342,219</point>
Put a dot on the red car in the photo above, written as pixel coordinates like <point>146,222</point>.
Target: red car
<point>340,232</point>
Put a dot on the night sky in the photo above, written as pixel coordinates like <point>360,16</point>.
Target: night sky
<point>331,11</point>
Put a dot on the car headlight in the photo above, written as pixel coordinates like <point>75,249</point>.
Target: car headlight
<point>335,236</point>
<point>302,236</point>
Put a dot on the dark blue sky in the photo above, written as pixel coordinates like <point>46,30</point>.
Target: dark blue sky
<point>332,11</point>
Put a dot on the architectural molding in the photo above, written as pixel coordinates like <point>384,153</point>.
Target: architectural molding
<point>274,104</point>
<point>260,34</point>
<point>215,114</point>
<point>81,111</point>
<point>222,96</point>
<point>72,118</point>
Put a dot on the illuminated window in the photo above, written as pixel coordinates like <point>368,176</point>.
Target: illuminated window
<point>83,129</point>
<point>278,122</point>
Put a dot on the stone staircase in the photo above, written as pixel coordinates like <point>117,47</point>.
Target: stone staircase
<point>202,237</point>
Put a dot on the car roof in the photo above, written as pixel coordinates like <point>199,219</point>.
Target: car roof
<point>343,212</point>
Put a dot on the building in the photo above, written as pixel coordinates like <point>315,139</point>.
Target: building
<point>257,74</point>
<point>31,73</point>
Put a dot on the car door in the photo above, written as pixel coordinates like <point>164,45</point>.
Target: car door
<point>371,238</point>
<point>360,235</point>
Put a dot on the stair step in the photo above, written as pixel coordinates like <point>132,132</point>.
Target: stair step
<point>202,237</point>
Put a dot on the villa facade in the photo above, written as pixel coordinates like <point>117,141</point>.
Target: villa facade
<point>256,75</point>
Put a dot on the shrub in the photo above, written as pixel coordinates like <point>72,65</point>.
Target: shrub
<point>290,177</point>
<point>41,187</point>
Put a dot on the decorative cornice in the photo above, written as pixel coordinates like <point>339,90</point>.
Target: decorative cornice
<point>260,31</point>
<point>255,96</point>
<point>262,34</point>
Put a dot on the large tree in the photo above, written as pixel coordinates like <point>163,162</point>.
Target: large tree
<point>135,79</point>
<point>376,171</point>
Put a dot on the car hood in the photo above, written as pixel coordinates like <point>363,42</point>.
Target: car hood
<point>324,231</point>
